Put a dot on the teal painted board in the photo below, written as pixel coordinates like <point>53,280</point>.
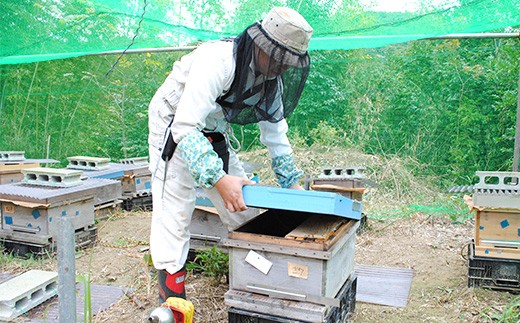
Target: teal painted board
<point>301,200</point>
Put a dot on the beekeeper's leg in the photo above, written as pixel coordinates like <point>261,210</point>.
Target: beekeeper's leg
<point>231,220</point>
<point>173,205</point>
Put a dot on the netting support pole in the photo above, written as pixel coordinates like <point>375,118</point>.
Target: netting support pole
<point>66,271</point>
<point>517,131</point>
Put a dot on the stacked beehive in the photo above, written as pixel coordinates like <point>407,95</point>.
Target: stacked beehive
<point>137,184</point>
<point>350,182</point>
<point>295,261</point>
<point>108,197</point>
<point>30,209</point>
<point>494,258</point>
<point>133,175</point>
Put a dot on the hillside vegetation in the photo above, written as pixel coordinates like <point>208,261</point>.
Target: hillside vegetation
<point>448,105</point>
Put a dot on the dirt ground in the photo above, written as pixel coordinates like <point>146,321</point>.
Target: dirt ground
<point>432,247</point>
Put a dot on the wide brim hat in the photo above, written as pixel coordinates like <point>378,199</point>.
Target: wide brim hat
<point>285,32</point>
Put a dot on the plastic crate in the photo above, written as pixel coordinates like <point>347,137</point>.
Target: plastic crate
<point>494,273</point>
<point>142,203</point>
<point>347,303</point>
<point>341,314</point>
<point>236,315</point>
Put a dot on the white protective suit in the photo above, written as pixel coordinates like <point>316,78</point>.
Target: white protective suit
<point>189,93</point>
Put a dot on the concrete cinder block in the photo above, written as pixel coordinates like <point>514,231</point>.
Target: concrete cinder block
<point>26,291</point>
<point>12,155</point>
<point>52,177</point>
<point>135,161</point>
<point>88,163</point>
<point>497,182</point>
<point>342,172</point>
<point>497,189</point>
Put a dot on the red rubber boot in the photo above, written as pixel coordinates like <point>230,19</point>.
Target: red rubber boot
<point>171,285</point>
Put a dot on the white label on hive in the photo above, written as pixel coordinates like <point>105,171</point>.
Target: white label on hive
<point>297,270</point>
<point>259,262</point>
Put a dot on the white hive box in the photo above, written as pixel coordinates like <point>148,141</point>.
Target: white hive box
<point>290,252</point>
<point>206,228</point>
<point>30,212</point>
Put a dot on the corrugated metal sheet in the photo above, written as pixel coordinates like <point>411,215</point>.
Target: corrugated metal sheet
<point>383,285</point>
<point>115,171</point>
<point>20,190</point>
<point>28,161</point>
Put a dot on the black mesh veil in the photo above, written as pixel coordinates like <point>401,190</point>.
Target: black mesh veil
<point>269,79</point>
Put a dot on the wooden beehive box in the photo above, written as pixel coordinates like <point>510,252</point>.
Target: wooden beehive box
<point>497,233</point>
<point>287,252</point>
<point>12,173</point>
<point>347,181</point>
<point>11,170</point>
<point>137,181</point>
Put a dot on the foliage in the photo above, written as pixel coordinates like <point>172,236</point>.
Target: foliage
<point>211,262</point>
<point>75,110</point>
<point>87,297</point>
<point>23,262</point>
<point>448,104</point>
<point>511,312</point>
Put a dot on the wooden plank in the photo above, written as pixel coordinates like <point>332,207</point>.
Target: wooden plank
<point>335,188</point>
<point>320,227</point>
<point>209,209</point>
<point>262,239</point>
<point>10,168</point>
<point>497,252</point>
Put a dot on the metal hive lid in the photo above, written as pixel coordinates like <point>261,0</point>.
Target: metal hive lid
<point>267,197</point>
<point>28,161</point>
<point>116,170</point>
<point>21,191</point>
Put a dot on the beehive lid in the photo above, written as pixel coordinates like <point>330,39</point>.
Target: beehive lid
<point>29,161</point>
<point>114,171</point>
<point>46,196</point>
<point>266,197</point>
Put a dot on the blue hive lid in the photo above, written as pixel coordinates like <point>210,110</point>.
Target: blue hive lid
<point>266,197</point>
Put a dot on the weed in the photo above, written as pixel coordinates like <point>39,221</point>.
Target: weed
<point>511,313</point>
<point>87,296</point>
<point>212,263</point>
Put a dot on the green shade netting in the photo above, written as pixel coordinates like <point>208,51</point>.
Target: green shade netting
<point>32,31</point>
